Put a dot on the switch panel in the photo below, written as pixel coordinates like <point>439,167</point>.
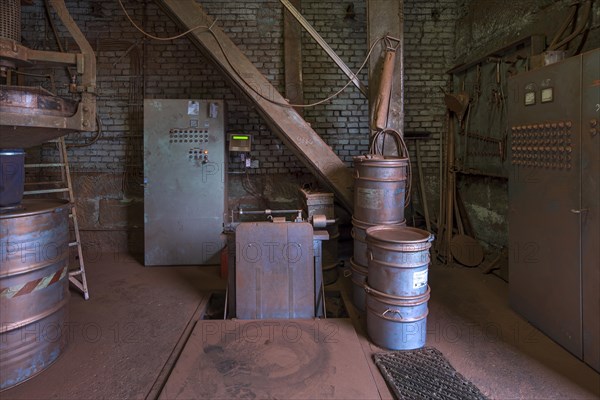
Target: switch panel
<point>554,214</point>
<point>185,180</point>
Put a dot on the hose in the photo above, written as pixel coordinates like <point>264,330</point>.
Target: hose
<point>587,7</point>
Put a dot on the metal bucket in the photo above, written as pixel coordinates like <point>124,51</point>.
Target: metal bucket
<point>359,234</point>
<point>330,255</point>
<point>34,288</point>
<point>398,259</point>
<point>359,279</point>
<point>397,323</point>
<point>380,189</point>
<point>12,177</point>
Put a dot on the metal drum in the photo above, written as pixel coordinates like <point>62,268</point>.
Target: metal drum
<point>359,279</point>
<point>397,323</point>
<point>33,288</point>
<point>330,255</point>
<point>379,189</point>
<point>359,234</point>
<point>398,259</point>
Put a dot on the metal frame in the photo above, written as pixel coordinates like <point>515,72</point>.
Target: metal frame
<point>84,118</point>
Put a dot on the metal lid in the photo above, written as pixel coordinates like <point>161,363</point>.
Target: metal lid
<point>11,152</point>
<point>398,234</point>
<point>36,206</point>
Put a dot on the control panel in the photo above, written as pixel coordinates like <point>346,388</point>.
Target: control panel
<point>546,144</point>
<point>185,180</point>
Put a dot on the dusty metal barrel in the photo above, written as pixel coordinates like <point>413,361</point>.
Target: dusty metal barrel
<point>359,234</point>
<point>397,323</point>
<point>359,279</point>
<point>380,189</point>
<point>330,255</point>
<point>33,288</point>
<point>398,259</point>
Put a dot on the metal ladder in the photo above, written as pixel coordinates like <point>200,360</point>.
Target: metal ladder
<point>76,275</point>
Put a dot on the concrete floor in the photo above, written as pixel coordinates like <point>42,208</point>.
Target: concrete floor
<point>124,340</point>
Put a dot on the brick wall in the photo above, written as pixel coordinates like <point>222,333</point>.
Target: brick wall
<point>131,68</point>
<point>429,52</point>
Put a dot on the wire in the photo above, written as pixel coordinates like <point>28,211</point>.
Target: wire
<point>233,68</point>
<point>289,104</point>
<point>94,139</point>
<point>207,28</point>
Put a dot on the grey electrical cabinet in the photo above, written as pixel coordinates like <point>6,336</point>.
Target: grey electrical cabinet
<point>184,181</point>
<point>554,196</point>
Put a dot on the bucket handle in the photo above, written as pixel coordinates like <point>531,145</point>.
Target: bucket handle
<point>389,310</point>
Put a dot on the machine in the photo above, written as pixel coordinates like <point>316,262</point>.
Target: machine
<point>554,214</point>
<point>34,233</point>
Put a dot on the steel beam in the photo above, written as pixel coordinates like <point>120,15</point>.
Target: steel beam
<point>284,121</point>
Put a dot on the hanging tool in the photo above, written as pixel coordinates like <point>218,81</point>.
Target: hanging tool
<point>382,103</point>
<point>457,105</point>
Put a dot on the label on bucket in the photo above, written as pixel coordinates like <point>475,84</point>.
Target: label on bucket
<point>419,279</point>
<point>369,198</point>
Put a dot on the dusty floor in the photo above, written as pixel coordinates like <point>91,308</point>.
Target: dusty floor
<point>126,338</point>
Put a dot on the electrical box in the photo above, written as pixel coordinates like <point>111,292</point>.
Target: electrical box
<point>240,142</point>
<point>184,181</point>
<point>554,214</point>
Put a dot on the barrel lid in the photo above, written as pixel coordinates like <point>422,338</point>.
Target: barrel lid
<point>378,159</point>
<point>398,234</point>
<point>35,206</point>
<point>12,152</point>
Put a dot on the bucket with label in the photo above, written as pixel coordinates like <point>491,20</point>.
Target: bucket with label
<point>398,259</point>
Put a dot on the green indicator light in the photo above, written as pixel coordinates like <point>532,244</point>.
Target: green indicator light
<point>241,137</point>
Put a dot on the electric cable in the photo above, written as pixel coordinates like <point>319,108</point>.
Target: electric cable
<point>233,68</point>
<point>99,133</point>
<point>163,38</point>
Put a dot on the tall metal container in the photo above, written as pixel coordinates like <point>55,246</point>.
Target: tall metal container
<point>33,288</point>
<point>359,234</point>
<point>380,189</point>
<point>397,291</point>
<point>397,323</point>
<point>398,259</point>
<point>321,203</point>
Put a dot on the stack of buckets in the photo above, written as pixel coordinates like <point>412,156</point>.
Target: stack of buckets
<point>390,261</point>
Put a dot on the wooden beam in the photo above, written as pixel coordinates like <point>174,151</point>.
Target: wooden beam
<point>292,57</point>
<point>386,17</point>
<point>284,121</point>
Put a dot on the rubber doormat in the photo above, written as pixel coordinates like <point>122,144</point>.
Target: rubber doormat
<point>424,374</point>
